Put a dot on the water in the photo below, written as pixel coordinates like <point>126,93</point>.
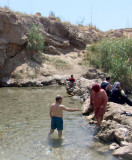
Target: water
<point>25,123</point>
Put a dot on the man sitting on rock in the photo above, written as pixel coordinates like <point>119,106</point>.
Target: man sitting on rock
<point>106,85</point>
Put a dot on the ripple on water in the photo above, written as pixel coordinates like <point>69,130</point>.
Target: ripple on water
<point>25,123</point>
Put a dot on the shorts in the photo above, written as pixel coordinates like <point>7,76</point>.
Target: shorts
<point>57,122</point>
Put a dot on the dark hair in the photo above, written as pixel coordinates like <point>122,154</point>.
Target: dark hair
<point>58,97</point>
<point>96,87</point>
<point>107,78</point>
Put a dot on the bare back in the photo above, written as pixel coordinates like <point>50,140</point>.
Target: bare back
<point>56,110</point>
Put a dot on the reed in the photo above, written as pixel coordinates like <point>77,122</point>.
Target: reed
<point>113,56</point>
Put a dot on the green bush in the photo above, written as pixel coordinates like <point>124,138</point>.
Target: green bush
<point>113,56</point>
<point>35,39</point>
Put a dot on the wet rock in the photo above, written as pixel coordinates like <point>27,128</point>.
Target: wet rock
<point>116,127</point>
<point>90,117</point>
<point>103,149</point>
<point>114,146</point>
<point>39,82</point>
<point>124,143</point>
<point>86,110</point>
<point>107,132</point>
<point>100,147</point>
<point>124,152</point>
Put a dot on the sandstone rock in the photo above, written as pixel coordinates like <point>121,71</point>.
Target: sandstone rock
<point>94,74</point>
<point>120,134</point>
<point>77,91</point>
<point>38,57</point>
<point>90,117</point>
<point>90,75</point>
<point>4,41</point>
<point>114,146</point>
<point>38,14</point>
<point>52,50</point>
<point>1,27</point>
<point>2,61</point>
<point>85,109</point>
<point>103,149</point>
<point>125,152</point>
<point>124,143</point>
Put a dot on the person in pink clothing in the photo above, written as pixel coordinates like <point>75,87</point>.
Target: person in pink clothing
<point>98,99</point>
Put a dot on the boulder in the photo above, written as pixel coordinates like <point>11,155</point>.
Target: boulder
<point>52,50</point>
<point>124,152</point>
<point>114,146</point>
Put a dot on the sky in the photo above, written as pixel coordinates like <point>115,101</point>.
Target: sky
<point>104,14</point>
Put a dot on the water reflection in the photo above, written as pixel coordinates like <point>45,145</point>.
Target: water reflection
<point>55,142</point>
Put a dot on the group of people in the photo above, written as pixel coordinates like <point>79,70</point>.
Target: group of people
<point>98,100</point>
<point>115,93</point>
<point>101,94</point>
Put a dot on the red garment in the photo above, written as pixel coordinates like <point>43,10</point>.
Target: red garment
<point>96,87</point>
<point>99,98</point>
<point>71,80</point>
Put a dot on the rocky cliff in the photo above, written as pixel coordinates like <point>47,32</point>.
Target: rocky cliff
<point>60,38</point>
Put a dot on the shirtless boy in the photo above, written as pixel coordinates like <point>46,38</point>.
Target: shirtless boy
<point>56,114</point>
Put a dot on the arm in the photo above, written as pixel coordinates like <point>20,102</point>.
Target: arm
<point>50,112</point>
<point>70,109</point>
<point>108,87</point>
<point>105,100</point>
<point>91,100</point>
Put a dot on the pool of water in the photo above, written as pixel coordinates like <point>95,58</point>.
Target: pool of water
<point>25,123</point>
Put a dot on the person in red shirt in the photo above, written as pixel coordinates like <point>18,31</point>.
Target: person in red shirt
<point>71,82</point>
<point>99,99</point>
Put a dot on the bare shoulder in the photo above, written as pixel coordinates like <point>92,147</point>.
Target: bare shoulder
<point>62,106</point>
<point>53,104</point>
<point>103,92</point>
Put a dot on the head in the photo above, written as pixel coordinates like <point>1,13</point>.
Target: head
<point>117,84</point>
<point>72,76</point>
<point>96,87</point>
<point>108,79</point>
<point>58,99</point>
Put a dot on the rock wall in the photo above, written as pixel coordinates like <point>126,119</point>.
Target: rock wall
<point>59,38</point>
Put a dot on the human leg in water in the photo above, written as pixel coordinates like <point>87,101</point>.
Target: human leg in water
<point>59,133</point>
<point>99,121</point>
<point>51,131</point>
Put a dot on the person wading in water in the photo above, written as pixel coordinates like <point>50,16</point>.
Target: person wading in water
<point>56,114</point>
<point>98,100</point>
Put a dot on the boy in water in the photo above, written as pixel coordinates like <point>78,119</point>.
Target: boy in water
<point>56,114</point>
<point>71,82</point>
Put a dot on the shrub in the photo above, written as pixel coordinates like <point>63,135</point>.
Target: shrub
<point>115,57</point>
<point>35,39</point>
